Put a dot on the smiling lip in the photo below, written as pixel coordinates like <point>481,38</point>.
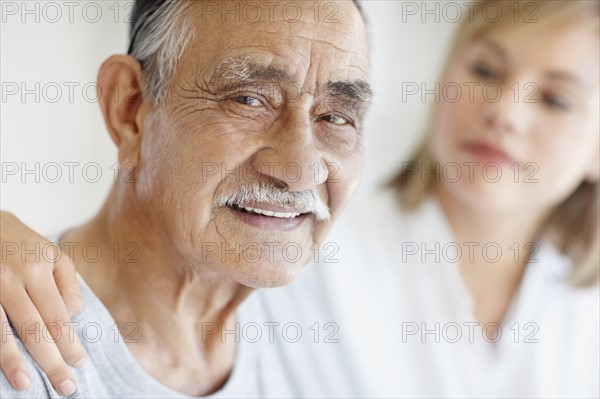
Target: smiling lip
<point>261,207</point>
<point>488,153</point>
<point>269,217</point>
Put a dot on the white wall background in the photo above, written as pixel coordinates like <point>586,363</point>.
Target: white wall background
<point>58,45</point>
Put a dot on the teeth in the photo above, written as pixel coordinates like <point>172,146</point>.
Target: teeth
<point>282,215</point>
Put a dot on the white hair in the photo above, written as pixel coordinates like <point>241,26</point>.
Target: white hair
<point>159,41</point>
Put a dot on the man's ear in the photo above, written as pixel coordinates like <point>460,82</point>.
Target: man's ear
<point>120,82</point>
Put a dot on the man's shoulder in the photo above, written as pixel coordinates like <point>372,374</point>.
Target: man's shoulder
<point>40,385</point>
<point>93,327</point>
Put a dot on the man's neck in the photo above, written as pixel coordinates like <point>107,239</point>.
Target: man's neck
<point>140,280</point>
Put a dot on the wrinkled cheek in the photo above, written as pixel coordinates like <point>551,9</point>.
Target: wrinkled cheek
<point>344,181</point>
<point>168,192</point>
<point>320,238</point>
<point>149,166</point>
<point>148,181</point>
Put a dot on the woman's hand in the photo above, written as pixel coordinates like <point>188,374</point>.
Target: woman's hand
<point>39,293</point>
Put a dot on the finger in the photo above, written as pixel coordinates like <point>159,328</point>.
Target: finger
<point>50,305</point>
<point>65,276</point>
<point>29,326</point>
<point>11,360</point>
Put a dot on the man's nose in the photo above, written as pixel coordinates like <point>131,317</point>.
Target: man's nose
<point>292,155</point>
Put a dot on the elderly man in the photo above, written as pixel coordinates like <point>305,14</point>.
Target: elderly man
<point>239,139</point>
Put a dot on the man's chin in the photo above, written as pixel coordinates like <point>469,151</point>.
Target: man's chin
<point>271,276</point>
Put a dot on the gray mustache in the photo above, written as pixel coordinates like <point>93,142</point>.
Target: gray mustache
<point>269,193</point>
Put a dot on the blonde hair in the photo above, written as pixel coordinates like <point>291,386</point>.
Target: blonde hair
<point>573,225</point>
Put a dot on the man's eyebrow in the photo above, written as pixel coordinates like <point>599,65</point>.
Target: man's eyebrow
<point>240,70</point>
<point>357,90</point>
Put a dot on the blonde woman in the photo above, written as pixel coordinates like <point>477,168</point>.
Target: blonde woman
<point>475,273</point>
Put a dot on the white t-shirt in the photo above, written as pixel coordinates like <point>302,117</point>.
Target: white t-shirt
<point>406,326</point>
<point>266,334</point>
<point>112,372</point>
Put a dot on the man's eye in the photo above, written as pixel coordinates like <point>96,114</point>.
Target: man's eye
<point>249,101</point>
<point>336,119</point>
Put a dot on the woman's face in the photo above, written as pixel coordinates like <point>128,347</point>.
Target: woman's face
<point>524,132</point>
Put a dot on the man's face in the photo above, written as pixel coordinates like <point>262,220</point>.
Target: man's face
<point>274,104</point>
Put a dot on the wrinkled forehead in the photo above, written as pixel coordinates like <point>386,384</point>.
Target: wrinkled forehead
<point>309,41</point>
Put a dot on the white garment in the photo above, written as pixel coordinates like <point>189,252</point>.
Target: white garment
<point>337,331</point>
<point>377,289</point>
<point>263,367</point>
<point>112,372</point>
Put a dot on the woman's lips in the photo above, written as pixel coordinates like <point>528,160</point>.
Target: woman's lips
<point>488,153</point>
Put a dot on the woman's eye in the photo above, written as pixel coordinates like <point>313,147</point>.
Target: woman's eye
<point>555,102</point>
<point>483,72</point>
<point>249,101</point>
<point>335,119</point>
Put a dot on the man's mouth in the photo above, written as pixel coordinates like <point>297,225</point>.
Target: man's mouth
<point>265,212</point>
<point>266,216</point>
<point>265,200</point>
